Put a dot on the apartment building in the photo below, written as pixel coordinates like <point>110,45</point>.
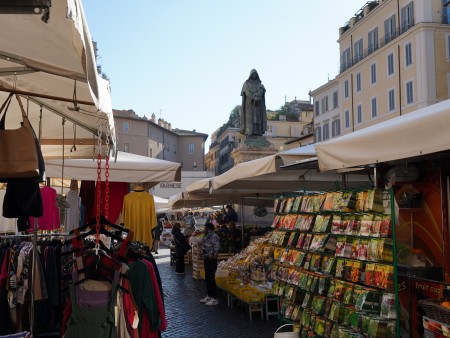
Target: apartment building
<point>394,59</point>
<point>157,139</point>
<point>327,113</point>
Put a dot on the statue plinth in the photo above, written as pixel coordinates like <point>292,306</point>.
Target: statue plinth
<point>251,147</point>
<point>257,142</point>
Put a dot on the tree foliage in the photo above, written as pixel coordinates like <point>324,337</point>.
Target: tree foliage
<point>289,111</point>
<point>234,120</point>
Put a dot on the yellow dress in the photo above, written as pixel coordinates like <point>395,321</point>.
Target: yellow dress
<point>138,214</point>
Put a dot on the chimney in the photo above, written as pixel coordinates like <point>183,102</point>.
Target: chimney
<point>352,21</point>
<point>169,126</point>
<point>165,124</point>
<point>160,122</point>
<point>153,118</point>
<point>366,10</point>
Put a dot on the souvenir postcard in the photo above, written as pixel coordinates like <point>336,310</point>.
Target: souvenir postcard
<point>297,203</point>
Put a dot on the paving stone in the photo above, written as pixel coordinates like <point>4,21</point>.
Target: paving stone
<point>188,318</point>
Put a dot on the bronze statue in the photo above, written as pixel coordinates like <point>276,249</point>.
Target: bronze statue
<point>253,111</point>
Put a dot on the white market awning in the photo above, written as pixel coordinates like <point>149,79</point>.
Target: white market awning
<point>421,132</point>
<point>191,200</point>
<point>255,182</point>
<point>128,168</point>
<point>264,175</point>
<point>52,65</point>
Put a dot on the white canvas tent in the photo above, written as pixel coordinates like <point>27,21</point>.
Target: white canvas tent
<point>127,168</point>
<point>279,173</point>
<point>161,204</point>
<point>264,174</point>
<point>421,132</point>
<point>254,182</point>
<point>52,66</point>
<point>191,200</point>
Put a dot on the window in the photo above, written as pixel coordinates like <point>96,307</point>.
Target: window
<point>358,51</point>
<point>336,128</point>
<point>326,131</point>
<point>407,15</point>
<point>374,107</point>
<point>358,82</point>
<point>389,29</point>
<point>373,73</point>
<point>126,147</point>
<point>335,100</point>
<point>391,64</point>
<point>346,59</point>
<point>359,112</point>
<point>317,134</point>
<point>408,54</point>
<point>295,131</point>
<point>391,100</point>
<point>409,92</point>
<point>325,104</point>
<point>445,12</point>
<point>347,119</point>
<point>372,40</point>
<point>191,149</point>
<point>125,128</point>
<point>346,89</point>
<point>448,47</point>
<point>316,108</point>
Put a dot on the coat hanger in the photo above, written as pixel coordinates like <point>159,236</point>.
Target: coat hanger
<point>103,221</point>
<point>103,231</point>
<point>94,272</point>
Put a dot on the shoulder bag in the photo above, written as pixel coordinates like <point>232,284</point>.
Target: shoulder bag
<point>20,155</point>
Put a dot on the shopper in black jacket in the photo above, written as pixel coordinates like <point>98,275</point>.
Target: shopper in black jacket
<point>181,243</point>
<point>230,214</point>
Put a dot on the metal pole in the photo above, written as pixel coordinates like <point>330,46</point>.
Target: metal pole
<point>33,275</point>
<point>242,222</point>
<point>394,247</point>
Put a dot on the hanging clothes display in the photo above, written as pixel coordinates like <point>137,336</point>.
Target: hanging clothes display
<point>7,225</point>
<point>87,194</point>
<point>117,193</point>
<point>16,284</point>
<point>73,212</point>
<point>50,216</point>
<point>138,300</point>
<point>138,214</point>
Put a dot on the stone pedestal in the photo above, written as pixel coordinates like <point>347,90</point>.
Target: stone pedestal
<point>251,148</point>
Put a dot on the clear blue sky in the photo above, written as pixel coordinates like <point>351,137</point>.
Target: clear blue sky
<point>189,58</point>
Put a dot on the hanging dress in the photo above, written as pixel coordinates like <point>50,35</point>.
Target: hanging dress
<point>97,321</point>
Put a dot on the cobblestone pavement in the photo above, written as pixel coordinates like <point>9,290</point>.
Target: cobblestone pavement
<point>188,318</point>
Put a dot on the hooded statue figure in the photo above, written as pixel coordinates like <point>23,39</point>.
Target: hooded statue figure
<point>253,111</point>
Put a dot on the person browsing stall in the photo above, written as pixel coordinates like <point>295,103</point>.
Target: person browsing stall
<point>210,248</point>
<point>181,243</point>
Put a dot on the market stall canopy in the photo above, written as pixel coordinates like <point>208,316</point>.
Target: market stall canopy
<point>279,173</point>
<point>255,182</point>
<point>127,168</point>
<point>192,200</point>
<point>52,66</point>
<point>421,132</point>
<point>264,175</point>
<point>161,204</point>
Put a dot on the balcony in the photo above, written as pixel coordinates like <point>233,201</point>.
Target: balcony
<point>380,43</point>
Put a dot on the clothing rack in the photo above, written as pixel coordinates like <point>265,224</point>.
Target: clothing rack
<point>32,235</point>
<point>35,236</point>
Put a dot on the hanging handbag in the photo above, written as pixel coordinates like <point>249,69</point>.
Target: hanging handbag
<point>20,155</point>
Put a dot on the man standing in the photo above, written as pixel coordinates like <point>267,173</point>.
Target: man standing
<point>190,223</point>
<point>210,247</point>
